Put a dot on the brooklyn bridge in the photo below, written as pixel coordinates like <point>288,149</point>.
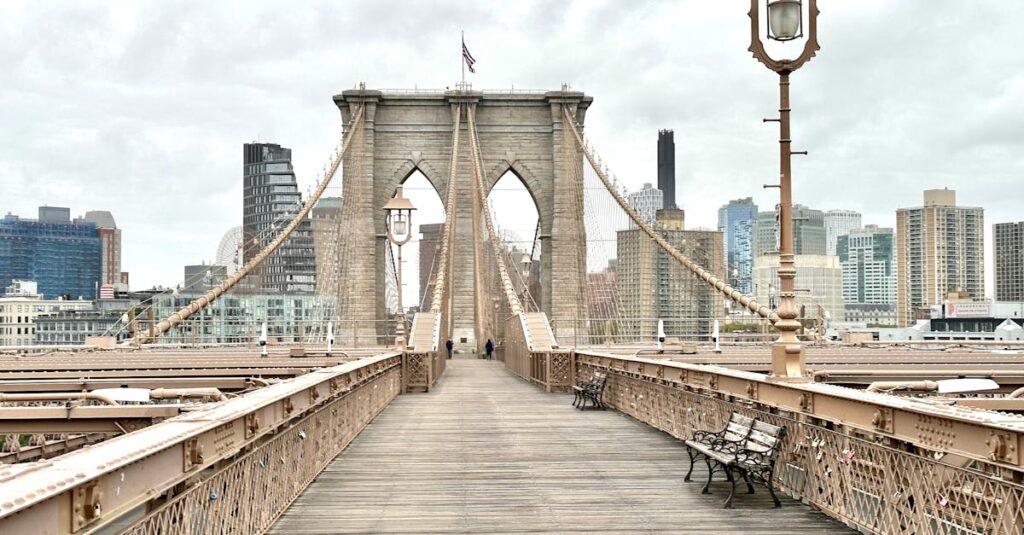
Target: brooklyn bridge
<point>365,421</point>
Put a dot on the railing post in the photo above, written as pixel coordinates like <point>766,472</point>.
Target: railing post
<point>405,372</point>
<point>547,371</point>
<point>430,370</point>
<point>572,369</point>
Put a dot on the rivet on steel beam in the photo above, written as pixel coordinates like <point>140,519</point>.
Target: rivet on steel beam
<point>806,402</point>
<point>252,423</point>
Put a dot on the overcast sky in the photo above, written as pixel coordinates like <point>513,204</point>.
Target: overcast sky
<point>141,107</point>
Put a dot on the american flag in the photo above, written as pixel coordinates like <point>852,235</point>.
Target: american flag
<point>106,292</point>
<point>467,57</point>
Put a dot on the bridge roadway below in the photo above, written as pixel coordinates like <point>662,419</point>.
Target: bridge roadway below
<point>485,452</point>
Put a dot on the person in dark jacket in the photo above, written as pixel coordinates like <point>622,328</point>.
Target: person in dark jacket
<point>449,345</point>
<point>489,347</point>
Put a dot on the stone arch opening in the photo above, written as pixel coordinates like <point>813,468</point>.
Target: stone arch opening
<point>516,216</point>
<point>419,254</point>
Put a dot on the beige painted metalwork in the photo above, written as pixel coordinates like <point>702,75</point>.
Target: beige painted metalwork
<point>421,370</point>
<point>880,463</point>
<point>531,352</point>
<point>91,488</point>
<point>64,418</point>
<point>249,494</point>
<point>58,396</point>
<point>11,450</point>
<point>80,384</point>
<point>942,428</point>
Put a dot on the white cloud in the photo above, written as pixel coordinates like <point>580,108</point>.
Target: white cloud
<point>142,107</point>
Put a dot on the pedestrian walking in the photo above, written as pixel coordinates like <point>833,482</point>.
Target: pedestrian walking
<point>449,345</point>
<point>490,349</point>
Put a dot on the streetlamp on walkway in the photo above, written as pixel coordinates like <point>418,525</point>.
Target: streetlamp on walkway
<point>786,23</point>
<point>399,224</point>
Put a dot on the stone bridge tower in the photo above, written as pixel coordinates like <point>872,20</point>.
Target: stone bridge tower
<point>405,131</point>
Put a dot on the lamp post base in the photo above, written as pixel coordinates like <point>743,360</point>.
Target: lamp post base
<point>789,363</point>
<point>400,340</point>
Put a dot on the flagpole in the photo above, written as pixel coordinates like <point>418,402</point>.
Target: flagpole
<point>462,60</point>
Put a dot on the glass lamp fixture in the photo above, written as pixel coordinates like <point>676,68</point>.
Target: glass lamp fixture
<point>399,213</point>
<point>399,224</point>
<point>784,19</point>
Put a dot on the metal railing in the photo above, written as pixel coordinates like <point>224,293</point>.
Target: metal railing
<point>232,466</point>
<point>531,353</point>
<point>880,463</point>
<point>202,331</point>
<point>625,330</point>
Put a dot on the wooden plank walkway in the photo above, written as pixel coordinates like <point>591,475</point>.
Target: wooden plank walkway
<point>485,452</point>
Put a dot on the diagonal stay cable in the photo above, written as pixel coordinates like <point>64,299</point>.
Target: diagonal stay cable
<point>732,293</point>
<point>515,305</point>
<point>207,298</point>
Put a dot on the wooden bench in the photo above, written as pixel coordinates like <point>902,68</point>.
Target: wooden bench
<point>746,447</point>
<point>591,390</point>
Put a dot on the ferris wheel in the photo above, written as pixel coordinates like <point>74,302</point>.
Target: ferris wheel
<point>229,253</point>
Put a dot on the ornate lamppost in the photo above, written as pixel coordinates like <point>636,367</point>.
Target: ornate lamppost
<point>786,23</point>
<point>399,225</point>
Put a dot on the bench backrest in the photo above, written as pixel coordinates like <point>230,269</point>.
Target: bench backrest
<point>738,428</point>
<point>764,438</point>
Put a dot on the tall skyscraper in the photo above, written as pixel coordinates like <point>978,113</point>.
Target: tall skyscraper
<point>62,256</point>
<point>940,249</point>
<point>869,266</point>
<point>271,198</point>
<point>808,232</point>
<point>651,285</point>
<point>646,203</point>
<point>667,167</point>
<point>736,223</point>
<point>1009,259</point>
<point>110,240</point>
<point>839,223</point>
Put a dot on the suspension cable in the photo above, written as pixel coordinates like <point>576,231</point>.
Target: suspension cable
<point>441,275</point>
<point>207,298</point>
<point>732,293</point>
<point>515,305</point>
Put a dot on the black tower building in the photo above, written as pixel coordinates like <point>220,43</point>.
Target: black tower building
<point>667,167</point>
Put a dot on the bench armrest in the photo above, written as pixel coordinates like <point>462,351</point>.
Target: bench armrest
<point>728,446</point>
<point>755,458</point>
<point>707,437</point>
